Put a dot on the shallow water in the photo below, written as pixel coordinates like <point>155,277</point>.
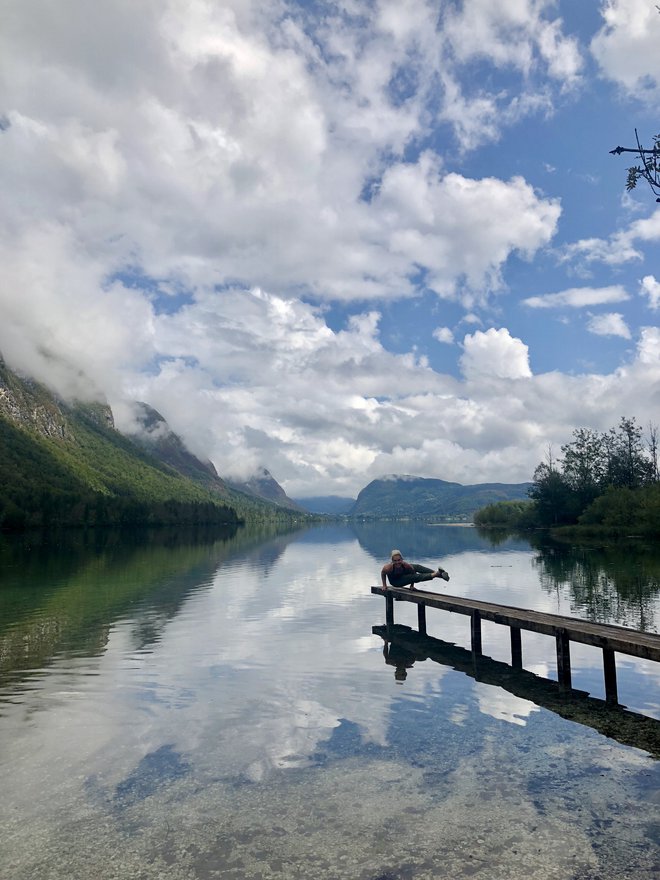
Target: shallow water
<point>187,708</point>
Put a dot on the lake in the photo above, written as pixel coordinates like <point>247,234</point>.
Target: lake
<point>188,707</point>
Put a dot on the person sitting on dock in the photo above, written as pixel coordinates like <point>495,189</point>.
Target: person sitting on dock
<point>407,574</point>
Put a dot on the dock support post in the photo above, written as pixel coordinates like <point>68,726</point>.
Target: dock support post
<point>475,632</point>
<point>421,618</point>
<point>563,660</point>
<point>516,647</point>
<point>389,609</point>
<point>609,668</point>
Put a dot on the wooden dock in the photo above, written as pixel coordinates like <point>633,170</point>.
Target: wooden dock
<point>610,639</point>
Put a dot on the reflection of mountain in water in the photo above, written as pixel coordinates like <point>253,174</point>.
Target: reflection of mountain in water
<point>62,593</point>
<point>422,540</point>
<point>613,582</point>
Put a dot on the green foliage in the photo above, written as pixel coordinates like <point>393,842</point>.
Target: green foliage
<point>94,477</point>
<point>616,510</point>
<point>622,510</point>
<point>649,170</point>
<point>604,482</point>
<point>552,495</point>
<point>511,515</point>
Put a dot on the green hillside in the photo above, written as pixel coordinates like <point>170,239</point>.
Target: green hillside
<point>92,478</point>
<point>406,496</point>
<point>67,465</point>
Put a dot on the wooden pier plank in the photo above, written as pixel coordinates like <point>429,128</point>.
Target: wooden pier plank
<point>601,635</point>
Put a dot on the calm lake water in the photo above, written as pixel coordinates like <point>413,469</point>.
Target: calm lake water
<point>218,707</point>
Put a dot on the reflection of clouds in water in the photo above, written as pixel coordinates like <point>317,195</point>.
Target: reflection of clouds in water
<point>458,715</point>
<point>263,673</point>
<point>503,706</point>
<point>258,670</point>
<point>275,663</point>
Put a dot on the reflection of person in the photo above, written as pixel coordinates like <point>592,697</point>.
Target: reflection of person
<point>407,574</point>
<point>399,658</point>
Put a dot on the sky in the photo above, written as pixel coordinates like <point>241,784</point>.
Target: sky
<point>339,240</point>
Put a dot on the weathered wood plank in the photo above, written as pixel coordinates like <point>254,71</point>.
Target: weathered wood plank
<point>600,635</point>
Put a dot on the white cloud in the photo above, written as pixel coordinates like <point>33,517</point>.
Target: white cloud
<point>620,247</point>
<point>62,322</point>
<point>610,324</point>
<point>626,47</point>
<point>578,297</point>
<point>515,36</point>
<point>650,287</point>
<point>434,221</point>
<point>495,353</point>
<point>233,149</point>
<point>444,334</point>
<point>648,347</point>
<point>183,179</point>
<point>512,34</point>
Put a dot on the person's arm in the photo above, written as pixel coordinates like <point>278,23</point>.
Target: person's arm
<point>385,570</point>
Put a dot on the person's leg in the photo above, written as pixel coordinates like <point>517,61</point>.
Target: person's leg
<point>421,573</point>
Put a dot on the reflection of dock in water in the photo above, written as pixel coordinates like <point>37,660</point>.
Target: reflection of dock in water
<point>405,646</point>
<point>611,639</point>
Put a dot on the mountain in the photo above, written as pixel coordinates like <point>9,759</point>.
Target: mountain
<point>66,464</point>
<point>331,505</point>
<point>406,496</point>
<point>263,485</point>
<point>259,496</point>
<point>156,436</point>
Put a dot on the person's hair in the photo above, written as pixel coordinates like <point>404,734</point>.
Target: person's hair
<point>396,553</point>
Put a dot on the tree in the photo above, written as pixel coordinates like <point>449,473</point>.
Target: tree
<point>553,496</point>
<point>652,444</point>
<point>600,475</point>
<point>584,465</point>
<point>627,463</point>
<point>649,170</point>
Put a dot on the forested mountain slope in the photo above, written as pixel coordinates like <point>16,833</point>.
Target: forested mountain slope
<point>65,464</point>
<point>419,497</point>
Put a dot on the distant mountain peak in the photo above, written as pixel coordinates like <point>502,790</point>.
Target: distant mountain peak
<point>262,484</point>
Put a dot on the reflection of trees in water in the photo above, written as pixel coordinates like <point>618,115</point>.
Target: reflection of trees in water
<point>60,592</point>
<point>609,583</point>
<point>418,539</point>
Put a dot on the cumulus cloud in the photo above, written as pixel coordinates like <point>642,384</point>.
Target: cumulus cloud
<point>233,149</point>
<point>512,34</point>
<point>444,334</point>
<point>650,288</point>
<point>577,297</point>
<point>194,186</point>
<point>435,219</point>
<point>648,347</point>
<point>495,353</point>
<point>63,321</point>
<point>626,47</point>
<point>610,324</point>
